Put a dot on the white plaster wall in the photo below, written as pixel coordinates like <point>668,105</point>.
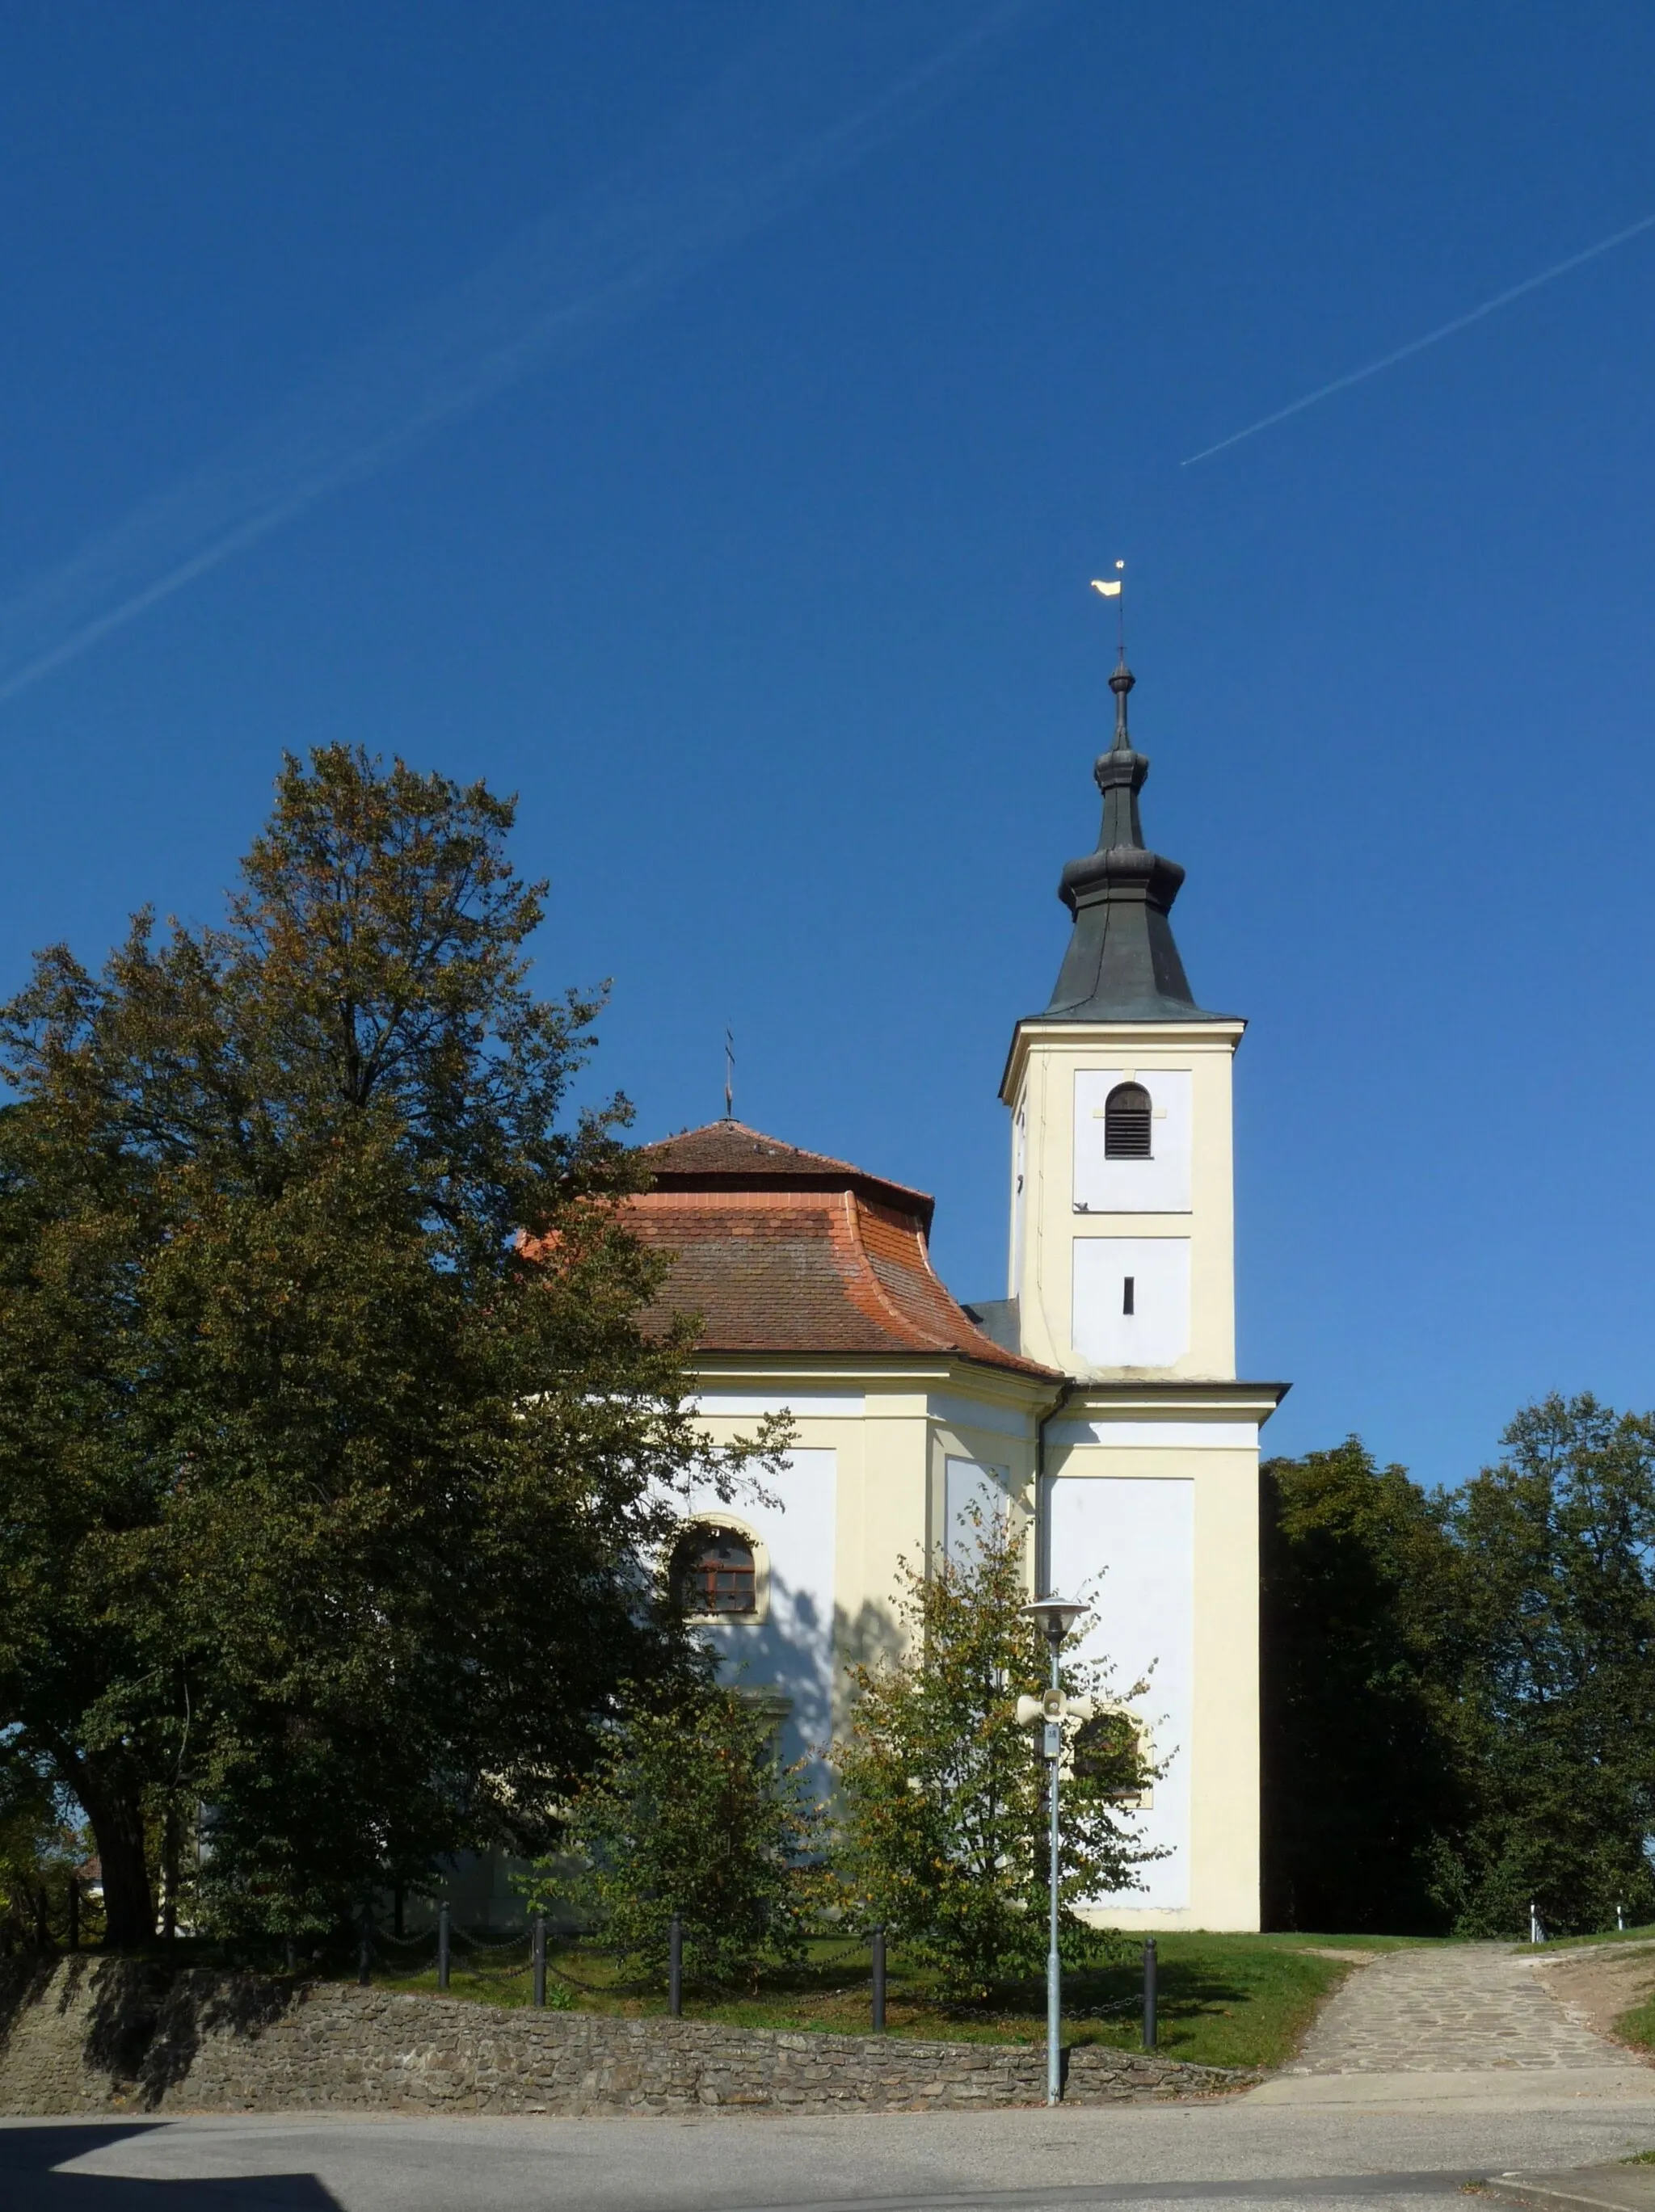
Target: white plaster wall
<point>974,1502</point>
<point>791,1650</point>
<point>1128,1545</point>
<point>804,1405</point>
<point>1159,1184</point>
<point>1156,1333</point>
<point>887,1464</point>
<point>1019,1196</point>
<point>1041,1084</point>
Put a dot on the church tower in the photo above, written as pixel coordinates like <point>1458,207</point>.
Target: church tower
<point>1122,1243</point>
<point>1122,1278</point>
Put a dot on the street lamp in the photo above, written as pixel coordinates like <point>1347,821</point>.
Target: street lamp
<point>1055,1617</point>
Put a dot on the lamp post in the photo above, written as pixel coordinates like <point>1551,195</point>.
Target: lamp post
<point>1055,1618</point>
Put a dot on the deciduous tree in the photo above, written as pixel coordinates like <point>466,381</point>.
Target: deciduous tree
<point>946,1827</point>
<point>1365,1794</point>
<point>1556,1543</point>
<point>335,1460</point>
<point>692,1812</point>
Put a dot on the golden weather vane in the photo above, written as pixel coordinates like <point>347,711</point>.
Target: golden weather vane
<point>1114,589</point>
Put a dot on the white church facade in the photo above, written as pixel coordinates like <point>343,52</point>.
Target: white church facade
<point>1099,1396</point>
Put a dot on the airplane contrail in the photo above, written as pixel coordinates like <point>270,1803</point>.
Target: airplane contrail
<point>1431,337</point>
<point>747,152</point>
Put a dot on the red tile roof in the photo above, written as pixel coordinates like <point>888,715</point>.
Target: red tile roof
<point>729,1156</point>
<point>782,1250</point>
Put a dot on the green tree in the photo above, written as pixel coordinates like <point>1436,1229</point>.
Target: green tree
<point>1556,1546</point>
<point>692,1812</point>
<point>41,1851</point>
<point>1365,1793</point>
<point>945,1830</point>
<point>336,1460</point>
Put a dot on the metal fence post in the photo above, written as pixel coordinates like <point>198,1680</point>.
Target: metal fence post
<point>878,1981</point>
<point>675,1967</point>
<point>443,1946</point>
<point>1152,1968</point>
<point>539,1957</point>
<point>365,1950</point>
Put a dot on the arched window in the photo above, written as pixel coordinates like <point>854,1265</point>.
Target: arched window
<point>1126,1122</point>
<point>714,1571</point>
<point>1110,1756</point>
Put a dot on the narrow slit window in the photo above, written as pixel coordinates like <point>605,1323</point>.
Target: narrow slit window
<point>1129,1292</point>
<point>1127,1122</point>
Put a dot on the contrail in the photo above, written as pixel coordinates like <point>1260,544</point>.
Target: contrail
<point>1431,337</point>
<point>747,153</point>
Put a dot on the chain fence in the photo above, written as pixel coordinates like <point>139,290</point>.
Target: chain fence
<point>509,1957</point>
<point>499,1960</point>
<point>34,1920</point>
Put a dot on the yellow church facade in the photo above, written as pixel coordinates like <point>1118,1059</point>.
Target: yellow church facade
<point>1098,1400</point>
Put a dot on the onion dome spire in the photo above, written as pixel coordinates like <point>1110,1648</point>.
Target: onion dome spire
<point>1122,963</point>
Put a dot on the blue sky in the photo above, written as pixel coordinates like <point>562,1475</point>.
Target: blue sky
<point>703,420</point>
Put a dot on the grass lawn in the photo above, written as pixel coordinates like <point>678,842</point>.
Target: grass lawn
<point>1224,2000</point>
<point>1638,2026</point>
<point>1611,1935</point>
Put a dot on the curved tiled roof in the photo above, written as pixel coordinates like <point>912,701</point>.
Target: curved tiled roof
<point>729,1156</point>
<point>782,1250</point>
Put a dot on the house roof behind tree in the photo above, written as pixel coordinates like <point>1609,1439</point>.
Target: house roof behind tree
<point>782,1250</point>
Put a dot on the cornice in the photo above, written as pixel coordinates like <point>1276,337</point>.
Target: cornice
<point>1104,1037</point>
<point>994,1385</point>
<point>1176,1395</point>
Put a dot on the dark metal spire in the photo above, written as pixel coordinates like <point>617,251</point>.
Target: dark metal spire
<point>1122,963</point>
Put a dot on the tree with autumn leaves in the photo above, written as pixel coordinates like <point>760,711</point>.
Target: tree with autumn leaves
<point>336,1465</point>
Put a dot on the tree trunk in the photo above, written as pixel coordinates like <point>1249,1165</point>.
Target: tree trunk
<point>114,1806</point>
<point>171,1848</point>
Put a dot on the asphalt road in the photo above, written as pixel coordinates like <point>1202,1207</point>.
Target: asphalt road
<point>1413,2155</point>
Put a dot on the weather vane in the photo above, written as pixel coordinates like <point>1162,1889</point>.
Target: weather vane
<point>1113,590</point>
<point>729,1074</point>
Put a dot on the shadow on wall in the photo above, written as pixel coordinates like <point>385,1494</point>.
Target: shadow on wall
<point>786,1656</point>
<point>114,2004</point>
<point>76,2031</point>
<point>33,2180</point>
<point>23,1983</point>
<point>872,1639</point>
<point>202,2004</point>
<point>797,1656</point>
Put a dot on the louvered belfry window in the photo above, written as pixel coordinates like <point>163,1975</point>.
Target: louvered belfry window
<point>716,1572</point>
<point>1126,1122</point>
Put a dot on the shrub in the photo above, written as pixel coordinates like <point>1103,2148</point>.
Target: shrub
<point>692,1812</point>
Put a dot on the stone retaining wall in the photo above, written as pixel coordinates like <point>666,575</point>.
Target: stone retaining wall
<point>86,2035</point>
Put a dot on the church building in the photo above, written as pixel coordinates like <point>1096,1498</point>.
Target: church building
<point>1099,1394</point>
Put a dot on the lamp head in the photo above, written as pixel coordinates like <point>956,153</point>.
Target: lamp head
<point>1056,1616</point>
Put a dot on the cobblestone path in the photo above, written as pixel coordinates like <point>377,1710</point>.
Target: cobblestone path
<point>1462,2009</point>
